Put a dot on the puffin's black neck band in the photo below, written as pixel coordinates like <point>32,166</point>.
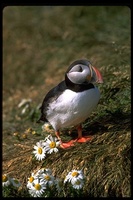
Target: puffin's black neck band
<point>77,87</point>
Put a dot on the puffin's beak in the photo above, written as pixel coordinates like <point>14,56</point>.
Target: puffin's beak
<point>99,78</point>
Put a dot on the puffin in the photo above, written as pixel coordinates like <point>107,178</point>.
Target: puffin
<point>71,102</point>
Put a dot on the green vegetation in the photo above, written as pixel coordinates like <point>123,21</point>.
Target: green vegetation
<point>39,43</point>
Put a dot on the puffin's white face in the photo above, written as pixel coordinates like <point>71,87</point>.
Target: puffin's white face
<point>84,74</point>
<point>79,74</point>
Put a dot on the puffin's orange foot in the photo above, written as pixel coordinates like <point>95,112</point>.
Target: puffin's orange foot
<point>83,139</point>
<point>65,145</point>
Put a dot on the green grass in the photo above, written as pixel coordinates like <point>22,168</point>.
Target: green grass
<point>39,43</point>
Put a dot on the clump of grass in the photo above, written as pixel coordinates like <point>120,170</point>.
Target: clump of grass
<point>105,162</point>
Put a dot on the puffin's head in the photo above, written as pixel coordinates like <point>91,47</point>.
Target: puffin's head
<point>82,72</point>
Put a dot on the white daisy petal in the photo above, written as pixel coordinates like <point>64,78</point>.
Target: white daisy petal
<point>35,147</point>
<point>44,144</point>
<point>55,150</point>
<point>49,141</point>
<point>51,138</point>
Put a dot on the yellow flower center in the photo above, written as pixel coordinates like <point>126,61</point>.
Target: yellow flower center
<point>31,179</point>
<point>52,145</point>
<point>4,178</point>
<point>37,186</point>
<point>40,150</point>
<point>47,177</point>
<point>74,174</point>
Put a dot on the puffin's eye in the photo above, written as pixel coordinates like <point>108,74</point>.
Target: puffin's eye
<point>80,69</point>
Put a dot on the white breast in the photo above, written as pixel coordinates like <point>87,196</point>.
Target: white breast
<point>72,108</point>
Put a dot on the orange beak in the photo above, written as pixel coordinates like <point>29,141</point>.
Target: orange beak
<point>98,75</point>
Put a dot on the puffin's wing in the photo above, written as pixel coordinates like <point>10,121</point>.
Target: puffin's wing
<point>52,95</point>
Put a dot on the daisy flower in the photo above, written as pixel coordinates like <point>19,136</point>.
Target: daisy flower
<point>48,178</point>
<point>78,184</point>
<point>37,188</point>
<point>31,179</point>
<point>5,180</point>
<point>39,151</point>
<point>15,182</point>
<point>74,175</point>
<point>51,144</point>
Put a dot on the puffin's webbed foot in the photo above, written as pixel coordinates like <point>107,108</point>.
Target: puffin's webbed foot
<point>65,145</point>
<point>83,139</point>
<point>80,138</point>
